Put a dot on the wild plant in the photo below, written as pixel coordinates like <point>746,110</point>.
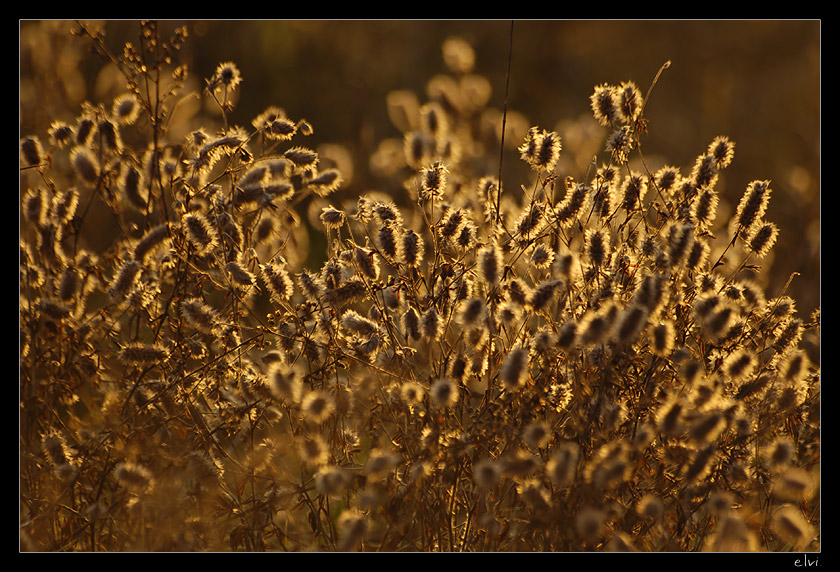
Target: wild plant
<point>570,363</point>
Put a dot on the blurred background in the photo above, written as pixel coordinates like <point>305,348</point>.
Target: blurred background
<point>758,82</point>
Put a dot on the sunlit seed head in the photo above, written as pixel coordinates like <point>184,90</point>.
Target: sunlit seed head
<point>61,134</point>
<point>201,234</point>
<point>669,417</point>
<point>85,164</point>
<point>651,506</point>
<point>705,172</point>
<point>597,246</point>
<point>444,392</point>
<point>543,294</point>
<point>631,321</point>
<point>722,150</point>
<point>762,238</point>
<point>330,480</point>
<point>536,434</point>
<point>706,427</point>
<point>284,382</point>
<point>31,151</point>
<point>132,475</point>
<point>753,205</point>
<point>629,102</point>
<point>605,105</point>
<point>411,393</point>
<point>795,485</point>
<point>317,406</point>
<point>789,523</point>
<point>126,109</point>
<point>277,280</point>
<point>589,524</point>
<point>142,354</point>
<point>490,264</point>
<point>199,315</point>
<point>411,323</point>
<point>410,248</point>
<point>486,473</point>
<point>633,189</point>
<point>514,370</point>
<point>225,78</point>
<point>313,449</point>
<point>662,338</point>
<point>472,311</point>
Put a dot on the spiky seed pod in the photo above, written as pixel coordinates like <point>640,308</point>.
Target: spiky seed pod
<point>472,312</point>
<point>352,526</point>
<point>704,208</point>
<point>31,151</point>
<point>573,205</point>
<point>632,320</point>
<point>410,248</point>
<point>201,234</point>
<point>141,354</point>
<point>239,274</point>
<point>411,323</point>
<point>125,280</point>
<point>355,323</point>
<point>199,315</point>
<point>605,105</point>
<point>433,181</point>
<point>633,190</point>
<point>514,370</point>
<point>346,293</point>
<point>109,136</point>
<point>126,109</point>
<point>317,406</point>
<point>451,223</point>
<point>518,292</point>
<point>444,392</point>
<point>752,206</point>
<point>567,335</point>
<point>303,160</point>
<point>680,238</point>
<point>133,475</point>
<point>697,255</point>
<point>431,324</point>
<point>722,150</point>
<point>276,278</point>
<point>367,262</point>
<point>705,172</point>
<point>64,205</point>
<point>284,382</point>
<point>701,465</point>
<point>387,240</point>
<point>543,294</point>
<point>486,473</point>
<point>662,338</point>
<point>325,182</point>
<point>620,143</point>
<point>597,246</point>
<point>313,449</point>
<point>85,164</point>
<point>629,102</point>
<point>762,238</point>
<point>490,264</point>
<point>61,134</point>
<point>541,256</point>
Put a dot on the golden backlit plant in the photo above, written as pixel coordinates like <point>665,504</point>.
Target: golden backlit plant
<point>583,361</point>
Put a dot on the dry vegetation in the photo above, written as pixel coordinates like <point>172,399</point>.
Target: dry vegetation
<point>582,361</point>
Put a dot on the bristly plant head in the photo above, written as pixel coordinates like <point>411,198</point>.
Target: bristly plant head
<point>253,358</point>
